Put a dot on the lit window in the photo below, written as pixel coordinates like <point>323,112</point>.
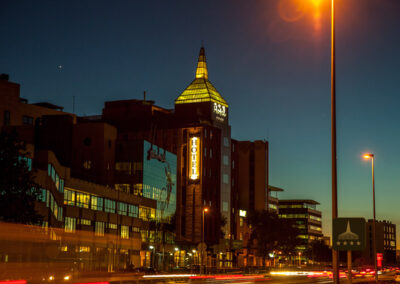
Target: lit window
<point>99,228</point>
<point>241,222</point>
<point>69,197</point>
<point>70,224</point>
<point>85,222</point>
<point>124,232</point>
<point>133,211</point>
<point>109,206</point>
<point>225,206</point>
<point>82,200</point>
<point>122,208</point>
<point>97,203</point>
<point>112,226</point>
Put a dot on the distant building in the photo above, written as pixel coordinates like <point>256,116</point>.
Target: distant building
<point>306,217</point>
<point>385,242</point>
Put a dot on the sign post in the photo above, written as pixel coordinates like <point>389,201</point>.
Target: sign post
<point>348,235</point>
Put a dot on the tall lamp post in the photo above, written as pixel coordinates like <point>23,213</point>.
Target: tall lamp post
<point>205,210</point>
<point>371,156</point>
<point>335,258</point>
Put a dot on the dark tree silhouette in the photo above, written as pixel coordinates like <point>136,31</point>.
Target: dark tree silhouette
<point>18,191</point>
<point>318,251</point>
<point>270,233</point>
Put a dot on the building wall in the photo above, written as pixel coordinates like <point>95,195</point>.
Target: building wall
<point>17,108</point>
<point>385,242</point>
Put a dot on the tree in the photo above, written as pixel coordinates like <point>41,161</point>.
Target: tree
<point>18,191</point>
<point>270,233</point>
<point>318,251</point>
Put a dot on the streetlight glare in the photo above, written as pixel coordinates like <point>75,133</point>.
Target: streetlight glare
<point>205,209</point>
<point>368,156</point>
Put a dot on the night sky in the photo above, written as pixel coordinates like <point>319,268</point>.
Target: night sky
<point>270,59</point>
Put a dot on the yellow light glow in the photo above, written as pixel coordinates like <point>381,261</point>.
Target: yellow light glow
<point>367,156</point>
<point>242,213</point>
<point>194,161</point>
<point>205,209</point>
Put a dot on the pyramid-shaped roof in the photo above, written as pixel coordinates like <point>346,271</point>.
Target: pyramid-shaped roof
<point>201,90</point>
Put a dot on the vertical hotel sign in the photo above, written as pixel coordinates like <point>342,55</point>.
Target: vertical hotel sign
<point>194,161</point>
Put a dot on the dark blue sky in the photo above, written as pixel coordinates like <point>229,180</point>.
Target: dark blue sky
<point>270,59</point>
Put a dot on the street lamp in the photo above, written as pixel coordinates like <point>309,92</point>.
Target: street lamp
<point>299,258</point>
<point>205,210</point>
<point>367,157</point>
<point>153,256</point>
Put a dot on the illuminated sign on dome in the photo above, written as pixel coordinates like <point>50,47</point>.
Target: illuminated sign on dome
<point>219,109</point>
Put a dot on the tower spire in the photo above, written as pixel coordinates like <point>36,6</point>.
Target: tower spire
<point>201,71</point>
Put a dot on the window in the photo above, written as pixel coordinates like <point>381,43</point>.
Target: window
<point>136,229</point>
<point>122,208</point>
<point>315,228</point>
<point>226,160</point>
<point>124,232</point>
<point>225,206</point>
<point>225,178</point>
<point>205,152</point>
<point>97,203</point>
<point>122,187</point>
<point>112,226</point>
<point>210,153</point>
<point>226,141</point>
<point>70,224</point>
<point>82,200</point>
<point>42,196</point>
<point>146,213</point>
<point>99,228</point>
<point>69,197</point>
<point>315,217</point>
<point>6,118</point>
<point>27,120</point>
<point>109,206</point>
<point>233,164</point>
<point>133,211</point>
<point>205,133</point>
<point>86,222</point>
<point>241,222</point>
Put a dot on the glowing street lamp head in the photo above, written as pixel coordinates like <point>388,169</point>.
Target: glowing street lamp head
<point>368,156</point>
<point>205,209</point>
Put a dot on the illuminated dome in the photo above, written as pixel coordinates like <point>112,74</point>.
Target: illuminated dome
<point>201,90</point>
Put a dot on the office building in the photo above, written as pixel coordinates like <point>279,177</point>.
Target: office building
<point>306,217</point>
<point>385,242</point>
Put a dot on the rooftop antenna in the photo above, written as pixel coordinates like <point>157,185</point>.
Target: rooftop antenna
<point>144,95</point>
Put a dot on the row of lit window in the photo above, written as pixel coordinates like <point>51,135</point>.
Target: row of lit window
<point>315,228</point>
<point>85,200</point>
<point>99,227</point>
<point>59,182</point>
<point>305,205</point>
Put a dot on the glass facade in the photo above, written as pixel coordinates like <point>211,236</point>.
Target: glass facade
<point>159,179</point>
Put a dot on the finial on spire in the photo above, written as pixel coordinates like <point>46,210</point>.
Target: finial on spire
<point>201,71</point>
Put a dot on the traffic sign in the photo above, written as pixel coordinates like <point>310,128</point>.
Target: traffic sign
<point>348,234</point>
